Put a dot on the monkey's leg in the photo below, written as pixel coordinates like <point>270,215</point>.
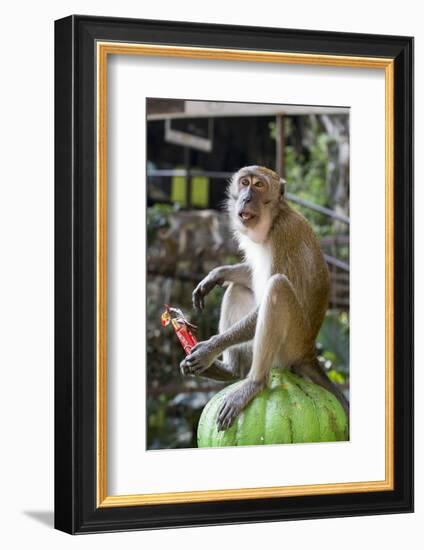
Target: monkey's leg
<point>217,371</point>
<point>237,302</point>
<point>281,337</point>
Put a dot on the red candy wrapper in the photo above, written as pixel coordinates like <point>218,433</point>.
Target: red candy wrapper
<point>183,329</point>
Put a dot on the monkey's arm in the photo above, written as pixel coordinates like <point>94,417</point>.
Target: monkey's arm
<point>241,331</point>
<point>205,353</point>
<point>237,273</point>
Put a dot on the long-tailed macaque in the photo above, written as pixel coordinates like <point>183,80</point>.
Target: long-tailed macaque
<point>276,299</point>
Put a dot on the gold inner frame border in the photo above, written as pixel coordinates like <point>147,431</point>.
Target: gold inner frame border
<point>103,50</point>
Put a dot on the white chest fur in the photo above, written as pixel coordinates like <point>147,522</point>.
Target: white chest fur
<point>259,258</point>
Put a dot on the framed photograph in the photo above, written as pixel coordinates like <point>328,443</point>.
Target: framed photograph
<point>234,274</point>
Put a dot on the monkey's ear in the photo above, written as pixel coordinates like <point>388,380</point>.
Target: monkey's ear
<point>282,187</point>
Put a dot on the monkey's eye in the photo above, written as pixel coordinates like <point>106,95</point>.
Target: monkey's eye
<point>245,182</point>
<point>259,184</point>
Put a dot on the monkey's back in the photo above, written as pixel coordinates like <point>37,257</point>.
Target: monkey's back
<point>300,258</point>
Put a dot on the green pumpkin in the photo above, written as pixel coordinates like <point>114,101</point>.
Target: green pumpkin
<point>289,410</point>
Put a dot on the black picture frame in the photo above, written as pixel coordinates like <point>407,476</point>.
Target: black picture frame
<point>76,509</point>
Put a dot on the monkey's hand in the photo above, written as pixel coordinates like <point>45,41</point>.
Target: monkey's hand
<point>236,401</point>
<point>204,287</point>
<point>201,357</point>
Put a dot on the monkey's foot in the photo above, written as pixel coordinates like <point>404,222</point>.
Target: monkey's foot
<point>236,401</point>
<point>201,358</point>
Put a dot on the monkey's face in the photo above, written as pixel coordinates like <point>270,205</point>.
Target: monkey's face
<point>255,193</point>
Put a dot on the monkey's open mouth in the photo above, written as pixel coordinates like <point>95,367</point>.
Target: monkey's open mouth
<point>246,216</point>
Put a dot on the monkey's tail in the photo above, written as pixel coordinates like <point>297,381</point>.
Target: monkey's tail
<point>316,373</point>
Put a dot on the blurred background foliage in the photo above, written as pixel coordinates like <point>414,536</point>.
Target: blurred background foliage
<point>185,241</point>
